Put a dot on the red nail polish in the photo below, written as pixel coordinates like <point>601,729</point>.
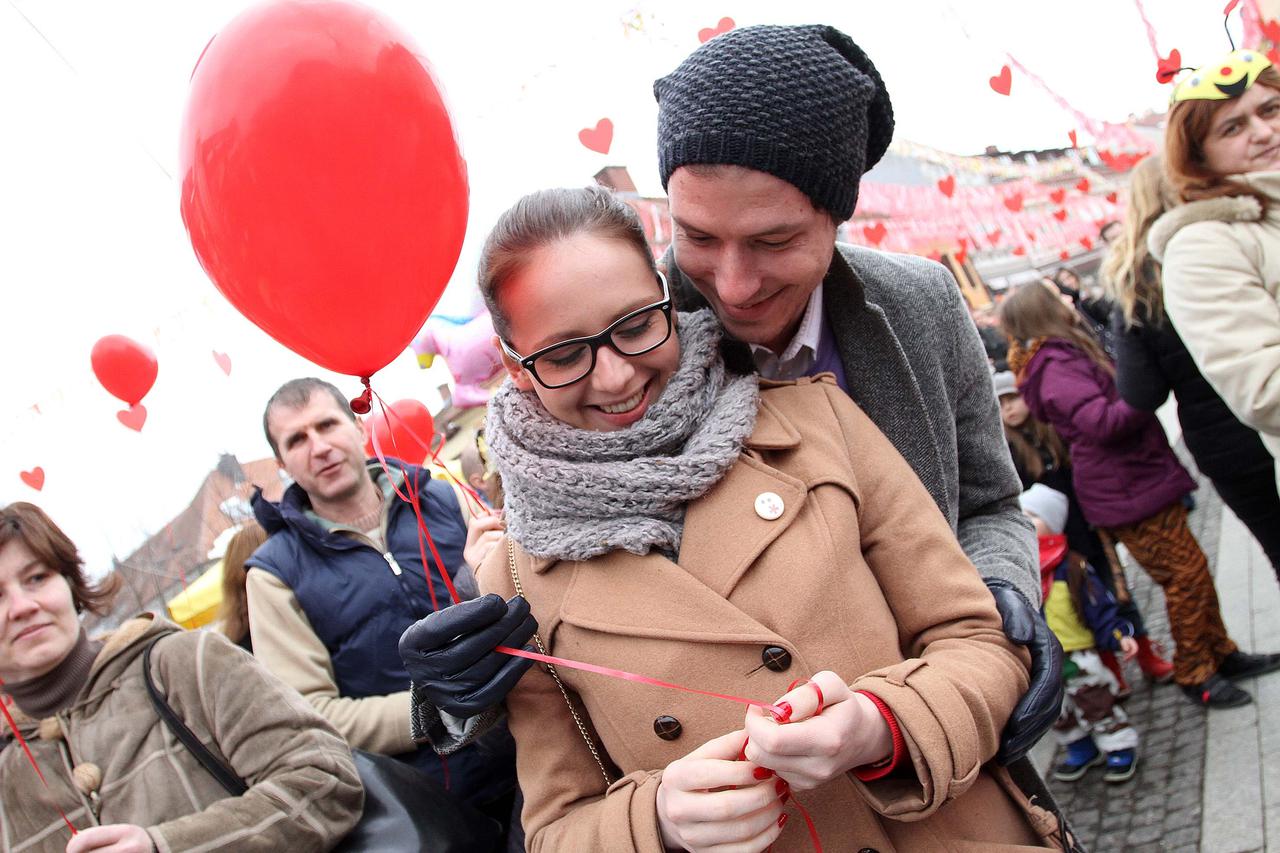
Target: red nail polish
<point>762,773</point>
<point>782,787</point>
<point>782,821</point>
<point>785,707</point>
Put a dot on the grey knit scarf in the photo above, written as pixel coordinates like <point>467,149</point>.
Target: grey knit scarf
<point>573,494</point>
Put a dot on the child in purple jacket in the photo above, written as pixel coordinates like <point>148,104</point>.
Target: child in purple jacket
<point>1083,615</point>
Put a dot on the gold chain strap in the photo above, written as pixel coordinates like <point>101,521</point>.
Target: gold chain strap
<point>537,641</point>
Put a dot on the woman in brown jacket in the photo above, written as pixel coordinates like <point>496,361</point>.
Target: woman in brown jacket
<point>111,768</point>
<point>667,518</point>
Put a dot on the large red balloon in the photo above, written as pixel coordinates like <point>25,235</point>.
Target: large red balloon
<point>406,431</point>
<point>126,368</point>
<point>322,185</point>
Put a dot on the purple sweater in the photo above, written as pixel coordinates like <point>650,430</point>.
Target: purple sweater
<point>1122,467</point>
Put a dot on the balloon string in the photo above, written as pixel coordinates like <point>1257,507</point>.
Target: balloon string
<point>13,727</point>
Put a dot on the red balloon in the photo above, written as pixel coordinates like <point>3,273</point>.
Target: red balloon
<point>406,431</point>
<point>126,368</point>
<point>322,185</point>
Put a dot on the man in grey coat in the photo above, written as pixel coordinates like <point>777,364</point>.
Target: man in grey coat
<point>763,136</point>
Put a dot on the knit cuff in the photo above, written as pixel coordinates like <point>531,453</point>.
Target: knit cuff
<point>872,772</point>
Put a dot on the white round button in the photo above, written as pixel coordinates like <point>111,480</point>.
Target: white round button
<point>769,506</point>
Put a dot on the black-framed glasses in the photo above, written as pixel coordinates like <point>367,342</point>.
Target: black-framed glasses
<point>570,361</point>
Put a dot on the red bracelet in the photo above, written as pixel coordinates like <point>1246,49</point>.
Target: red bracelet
<point>872,772</point>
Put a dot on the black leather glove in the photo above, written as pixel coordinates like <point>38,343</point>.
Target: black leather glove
<point>450,655</point>
<point>1039,708</point>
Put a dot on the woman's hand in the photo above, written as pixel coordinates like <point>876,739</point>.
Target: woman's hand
<point>112,838</point>
<point>483,533</point>
<point>849,732</point>
<point>711,801</point>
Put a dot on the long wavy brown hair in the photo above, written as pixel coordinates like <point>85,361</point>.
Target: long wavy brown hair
<point>1035,311</point>
<point>1131,275</point>
<point>234,612</point>
<point>1188,126</point>
<point>1028,444</point>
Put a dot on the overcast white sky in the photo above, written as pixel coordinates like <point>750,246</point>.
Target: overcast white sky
<point>91,242</point>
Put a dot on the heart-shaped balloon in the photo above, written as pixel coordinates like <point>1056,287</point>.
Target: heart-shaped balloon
<point>223,360</point>
<point>33,478</point>
<point>598,138</point>
<point>875,234</point>
<point>947,185</point>
<point>133,417</point>
<point>1002,82</point>
<point>706,34</point>
<point>322,185</point>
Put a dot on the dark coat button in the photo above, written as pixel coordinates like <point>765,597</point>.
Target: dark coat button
<point>667,728</point>
<point>776,658</point>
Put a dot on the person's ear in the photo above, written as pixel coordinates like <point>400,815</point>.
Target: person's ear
<point>518,374</point>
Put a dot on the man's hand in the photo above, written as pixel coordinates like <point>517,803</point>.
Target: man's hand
<point>1038,709</point>
<point>450,655</point>
<point>112,838</point>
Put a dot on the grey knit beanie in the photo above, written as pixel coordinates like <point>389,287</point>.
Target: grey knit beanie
<point>803,104</point>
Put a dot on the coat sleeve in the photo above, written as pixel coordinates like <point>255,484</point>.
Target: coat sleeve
<point>287,646</point>
<point>1069,393</point>
<point>1102,615</point>
<point>1141,382</point>
<point>995,535</point>
<point>566,803</point>
<point>304,792</point>
<point>962,677</point>
<point>1229,322</point>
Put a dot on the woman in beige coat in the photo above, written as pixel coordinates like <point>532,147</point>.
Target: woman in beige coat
<point>669,519</point>
<point>1220,250</point>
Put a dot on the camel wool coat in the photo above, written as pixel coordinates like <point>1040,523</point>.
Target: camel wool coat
<point>861,574</point>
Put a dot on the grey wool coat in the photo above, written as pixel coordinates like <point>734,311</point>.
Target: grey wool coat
<point>915,364</point>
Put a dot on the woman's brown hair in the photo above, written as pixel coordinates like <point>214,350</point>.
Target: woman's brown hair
<point>545,217</point>
<point>1131,275</point>
<point>27,523</point>
<point>1030,442</point>
<point>234,612</point>
<point>1189,124</point>
<point>1035,310</point>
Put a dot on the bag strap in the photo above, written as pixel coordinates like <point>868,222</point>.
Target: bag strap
<point>537,641</point>
<point>226,777</point>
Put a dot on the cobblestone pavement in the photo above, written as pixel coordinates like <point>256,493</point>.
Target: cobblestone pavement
<point>1160,809</point>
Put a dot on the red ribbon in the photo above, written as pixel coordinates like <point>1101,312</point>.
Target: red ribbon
<point>13,727</point>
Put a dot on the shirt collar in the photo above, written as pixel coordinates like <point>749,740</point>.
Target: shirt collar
<point>799,354</point>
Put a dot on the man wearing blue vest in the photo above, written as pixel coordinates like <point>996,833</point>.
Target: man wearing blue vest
<point>342,576</point>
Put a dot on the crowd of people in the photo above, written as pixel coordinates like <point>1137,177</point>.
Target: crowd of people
<point>766,465</point>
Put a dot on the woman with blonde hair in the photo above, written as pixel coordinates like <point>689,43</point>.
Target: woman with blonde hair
<point>1128,482</point>
<point>233,614</point>
<point>1152,361</point>
<point>1220,250</point>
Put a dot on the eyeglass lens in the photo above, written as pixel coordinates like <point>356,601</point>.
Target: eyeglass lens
<point>572,361</point>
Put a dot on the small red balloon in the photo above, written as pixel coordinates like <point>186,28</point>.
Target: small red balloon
<point>322,184</point>
<point>126,368</point>
<point>405,431</point>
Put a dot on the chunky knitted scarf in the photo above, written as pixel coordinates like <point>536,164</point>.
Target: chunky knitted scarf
<point>573,494</point>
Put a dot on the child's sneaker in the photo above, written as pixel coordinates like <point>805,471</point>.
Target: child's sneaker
<point>1081,755</point>
<point>1121,765</point>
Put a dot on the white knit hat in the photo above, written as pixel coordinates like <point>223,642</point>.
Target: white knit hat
<point>1046,504</point>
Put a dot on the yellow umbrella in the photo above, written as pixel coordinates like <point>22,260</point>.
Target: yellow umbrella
<point>198,604</point>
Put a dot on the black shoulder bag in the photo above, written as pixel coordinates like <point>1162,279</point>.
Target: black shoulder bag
<point>405,810</point>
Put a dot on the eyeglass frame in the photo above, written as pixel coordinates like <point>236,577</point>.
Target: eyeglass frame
<point>600,339</point>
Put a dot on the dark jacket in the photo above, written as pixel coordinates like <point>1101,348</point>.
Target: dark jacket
<point>360,601</point>
<point>1100,614</point>
<point>914,363</point>
<point>1122,467</point>
<point>1152,362</point>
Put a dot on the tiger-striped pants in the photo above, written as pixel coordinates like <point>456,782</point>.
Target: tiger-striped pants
<point>1166,549</point>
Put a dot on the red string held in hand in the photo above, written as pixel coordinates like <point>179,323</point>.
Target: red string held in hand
<point>13,727</point>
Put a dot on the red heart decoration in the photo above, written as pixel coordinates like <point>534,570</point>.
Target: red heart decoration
<point>1057,195</point>
<point>33,478</point>
<point>947,185</point>
<point>994,236</point>
<point>1087,243</point>
<point>1083,185</point>
<point>1168,66</point>
<point>1071,134</point>
<point>1271,30</point>
<point>1111,197</point>
<point>1013,202</point>
<point>960,255</point>
<point>1001,82</point>
<point>706,34</point>
<point>875,233</point>
<point>1064,254</point>
<point>597,138</point>
<point>1109,158</point>
<point>1060,215</point>
<point>1020,251</point>
<point>133,417</point>
<point>224,361</point>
